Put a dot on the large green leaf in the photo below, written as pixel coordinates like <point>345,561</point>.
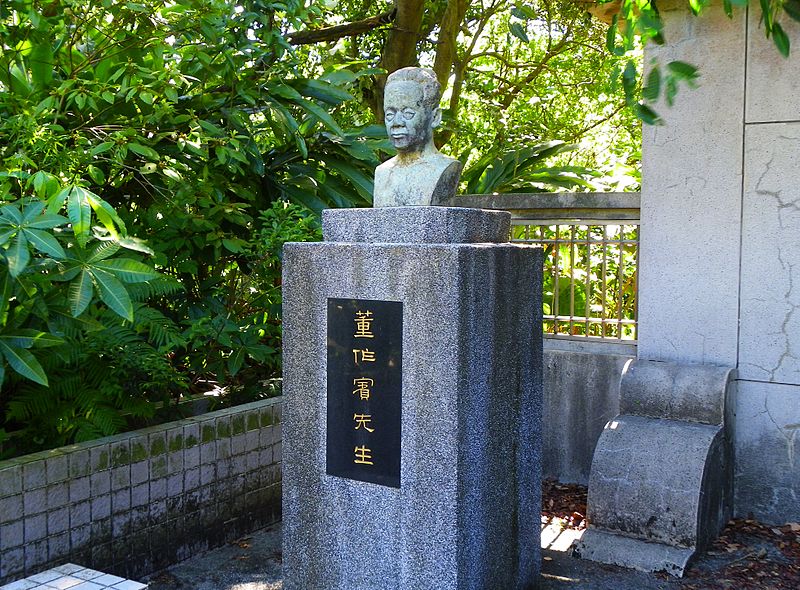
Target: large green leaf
<point>18,255</point>
<point>24,363</point>
<point>113,294</point>
<point>44,242</point>
<point>80,213</point>
<point>127,270</point>
<point>80,293</point>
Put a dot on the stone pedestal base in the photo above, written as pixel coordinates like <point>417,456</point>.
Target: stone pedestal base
<point>661,483</point>
<point>466,514</point>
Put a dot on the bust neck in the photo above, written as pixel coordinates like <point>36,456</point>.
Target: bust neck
<point>412,157</point>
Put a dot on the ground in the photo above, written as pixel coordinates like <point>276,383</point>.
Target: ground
<point>748,556</point>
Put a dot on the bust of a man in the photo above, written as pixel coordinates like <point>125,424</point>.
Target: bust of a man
<point>418,174</point>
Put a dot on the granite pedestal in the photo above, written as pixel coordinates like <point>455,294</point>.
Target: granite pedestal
<point>466,512</point>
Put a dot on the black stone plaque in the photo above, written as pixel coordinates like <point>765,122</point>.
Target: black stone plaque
<point>365,377</point>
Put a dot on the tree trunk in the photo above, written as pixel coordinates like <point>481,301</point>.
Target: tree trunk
<point>448,34</point>
<point>400,49</point>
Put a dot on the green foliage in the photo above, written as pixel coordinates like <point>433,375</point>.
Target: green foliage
<point>522,171</point>
<point>148,152</point>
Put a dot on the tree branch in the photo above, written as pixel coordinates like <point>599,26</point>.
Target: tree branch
<point>335,33</point>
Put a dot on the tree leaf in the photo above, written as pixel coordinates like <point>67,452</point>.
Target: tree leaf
<point>113,294</point>
<point>780,39</point>
<point>105,214</point>
<point>47,221</point>
<point>101,148</point>
<point>128,270</point>
<point>103,251</point>
<point>518,31</point>
<point>24,363</point>
<point>683,70</point>
<point>143,150</point>
<point>79,213</point>
<point>324,91</point>
<point>18,255</point>
<point>321,115</point>
<point>44,242</point>
<point>792,8</point>
<point>80,293</point>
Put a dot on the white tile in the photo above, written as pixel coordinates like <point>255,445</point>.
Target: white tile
<point>88,586</point>
<point>129,585</point>
<point>20,585</point>
<point>64,582</point>
<point>44,577</point>
<point>87,574</point>
<point>68,568</point>
<point>108,580</point>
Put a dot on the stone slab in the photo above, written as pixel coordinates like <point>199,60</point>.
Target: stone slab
<point>769,338</point>
<point>467,513</point>
<point>768,452</point>
<point>415,225</point>
<point>645,556</point>
<point>694,393</point>
<point>691,195</point>
<point>773,82</point>
<point>581,394</point>
<point>659,480</point>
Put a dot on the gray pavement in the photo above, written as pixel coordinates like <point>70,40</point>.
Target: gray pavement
<point>253,563</point>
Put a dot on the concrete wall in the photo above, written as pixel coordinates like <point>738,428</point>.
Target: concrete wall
<point>720,238</point>
<point>581,394</point>
<point>134,503</point>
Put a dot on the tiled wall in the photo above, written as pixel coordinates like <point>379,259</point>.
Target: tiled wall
<point>136,502</point>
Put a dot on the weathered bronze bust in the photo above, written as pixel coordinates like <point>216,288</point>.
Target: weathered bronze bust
<point>418,174</point>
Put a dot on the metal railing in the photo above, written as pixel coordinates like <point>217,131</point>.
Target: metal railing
<point>591,249</point>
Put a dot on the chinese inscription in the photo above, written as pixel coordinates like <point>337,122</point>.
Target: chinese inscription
<point>364,390</point>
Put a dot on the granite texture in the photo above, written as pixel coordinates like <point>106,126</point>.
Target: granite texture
<point>416,225</point>
<point>467,513</point>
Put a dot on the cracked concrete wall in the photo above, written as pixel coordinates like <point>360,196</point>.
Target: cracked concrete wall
<point>720,257</point>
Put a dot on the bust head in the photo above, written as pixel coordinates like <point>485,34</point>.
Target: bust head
<point>411,107</point>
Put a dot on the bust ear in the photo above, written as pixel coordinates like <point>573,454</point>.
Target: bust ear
<point>436,117</point>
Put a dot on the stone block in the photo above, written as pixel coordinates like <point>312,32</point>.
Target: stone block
<point>768,452</point>
<point>769,345</point>
<point>101,507</point>
<point>79,489</point>
<point>689,253</point>
<point>10,479</point>
<point>58,495</point>
<point>57,467</point>
<point>35,528</point>
<point>581,394</point>
<point>79,463</point>
<point>100,483</point>
<point>35,501</point>
<point>467,511</point>
<point>694,393</point>
<point>12,534</point>
<point>57,521</point>
<point>416,225</point>
<point>34,475</point>
<point>80,513</point>
<point>659,481</point>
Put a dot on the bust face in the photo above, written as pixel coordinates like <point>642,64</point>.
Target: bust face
<point>408,120</point>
